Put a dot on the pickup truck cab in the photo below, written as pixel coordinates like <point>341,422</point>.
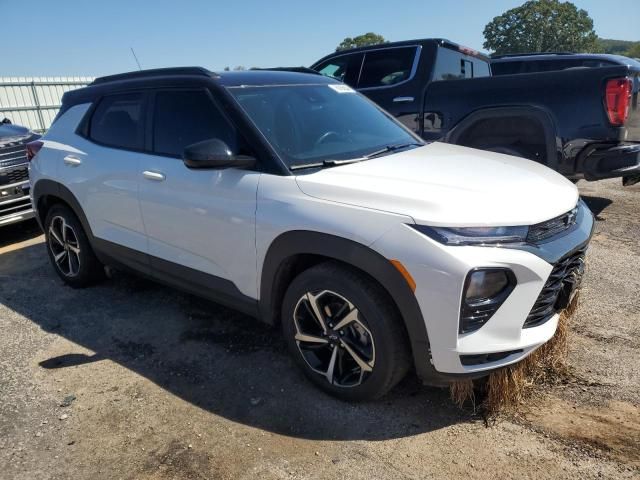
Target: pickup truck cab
<point>583,123</point>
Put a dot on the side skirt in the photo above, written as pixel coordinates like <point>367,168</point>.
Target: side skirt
<point>195,282</point>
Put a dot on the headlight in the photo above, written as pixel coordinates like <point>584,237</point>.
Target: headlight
<point>474,235</point>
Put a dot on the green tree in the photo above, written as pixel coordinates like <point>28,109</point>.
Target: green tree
<point>634,51</point>
<point>541,26</point>
<point>369,38</point>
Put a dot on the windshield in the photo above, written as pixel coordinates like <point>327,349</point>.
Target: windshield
<point>308,124</point>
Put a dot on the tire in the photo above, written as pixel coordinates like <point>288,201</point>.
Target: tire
<point>70,253</point>
<point>366,343</point>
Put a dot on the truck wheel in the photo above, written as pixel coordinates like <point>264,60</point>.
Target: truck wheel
<point>344,332</point>
<point>69,249</point>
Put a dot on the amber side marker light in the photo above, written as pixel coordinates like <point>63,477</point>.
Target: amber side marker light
<point>405,273</point>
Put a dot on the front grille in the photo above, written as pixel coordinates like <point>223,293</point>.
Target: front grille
<point>542,231</point>
<point>564,277</point>
<point>19,205</point>
<point>13,175</point>
<point>13,155</point>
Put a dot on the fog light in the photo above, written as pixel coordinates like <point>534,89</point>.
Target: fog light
<point>485,284</point>
<point>485,290</point>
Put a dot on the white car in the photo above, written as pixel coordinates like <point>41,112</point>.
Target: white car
<point>292,198</point>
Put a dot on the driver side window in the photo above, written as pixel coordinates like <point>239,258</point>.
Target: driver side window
<point>184,117</point>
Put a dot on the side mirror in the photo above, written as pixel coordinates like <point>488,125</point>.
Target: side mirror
<point>214,153</point>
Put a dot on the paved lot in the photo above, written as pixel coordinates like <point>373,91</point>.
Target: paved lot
<point>132,380</point>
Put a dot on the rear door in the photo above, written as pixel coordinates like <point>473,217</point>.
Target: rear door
<point>101,169</point>
<point>385,78</point>
<point>449,64</point>
<point>198,221</point>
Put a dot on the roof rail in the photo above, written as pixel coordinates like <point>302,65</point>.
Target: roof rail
<point>156,72</point>
<point>531,54</point>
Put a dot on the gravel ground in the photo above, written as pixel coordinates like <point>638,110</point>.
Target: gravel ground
<point>132,380</point>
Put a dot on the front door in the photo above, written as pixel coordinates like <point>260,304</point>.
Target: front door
<point>200,223</point>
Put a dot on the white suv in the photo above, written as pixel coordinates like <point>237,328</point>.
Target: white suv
<point>292,198</point>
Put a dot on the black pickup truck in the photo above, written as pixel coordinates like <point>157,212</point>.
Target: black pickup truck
<point>15,205</point>
<point>583,122</point>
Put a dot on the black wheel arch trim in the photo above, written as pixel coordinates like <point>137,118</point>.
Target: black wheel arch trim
<point>302,242</point>
<point>44,188</point>
<point>539,114</point>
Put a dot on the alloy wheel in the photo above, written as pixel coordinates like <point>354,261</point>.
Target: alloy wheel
<point>333,338</point>
<point>64,245</point>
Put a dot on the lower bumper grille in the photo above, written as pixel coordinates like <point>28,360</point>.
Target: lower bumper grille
<point>555,295</point>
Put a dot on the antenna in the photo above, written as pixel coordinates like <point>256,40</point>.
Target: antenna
<point>136,58</point>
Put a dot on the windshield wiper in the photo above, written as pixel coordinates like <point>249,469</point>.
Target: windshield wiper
<point>326,163</point>
<point>333,163</point>
<point>392,148</point>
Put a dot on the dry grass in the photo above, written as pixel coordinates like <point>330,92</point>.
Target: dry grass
<point>506,389</point>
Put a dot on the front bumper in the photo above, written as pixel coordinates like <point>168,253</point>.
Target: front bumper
<point>439,272</point>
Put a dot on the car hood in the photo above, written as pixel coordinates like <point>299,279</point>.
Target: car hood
<point>11,133</point>
<point>448,185</point>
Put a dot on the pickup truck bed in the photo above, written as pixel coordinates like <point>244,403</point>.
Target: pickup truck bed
<point>583,122</point>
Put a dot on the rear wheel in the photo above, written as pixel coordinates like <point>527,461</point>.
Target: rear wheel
<point>344,332</point>
<point>69,249</point>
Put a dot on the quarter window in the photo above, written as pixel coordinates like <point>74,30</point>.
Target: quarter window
<point>387,67</point>
<point>117,121</point>
<point>181,118</point>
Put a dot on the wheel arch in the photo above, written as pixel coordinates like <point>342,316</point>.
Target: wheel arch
<point>49,192</point>
<point>281,265</point>
<point>537,115</point>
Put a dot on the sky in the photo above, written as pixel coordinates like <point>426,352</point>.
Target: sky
<point>74,37</point>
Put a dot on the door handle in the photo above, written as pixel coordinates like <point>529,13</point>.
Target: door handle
<point>403,99</point>
<point>72,161</point>
<point>157,176</point>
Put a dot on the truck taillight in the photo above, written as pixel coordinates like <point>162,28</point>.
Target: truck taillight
<point>617,100</point>
<point>33,148</point>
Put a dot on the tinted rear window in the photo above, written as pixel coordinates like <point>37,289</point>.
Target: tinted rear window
<point>382,68</point>
<point>117,122</point>
<point>182,118</point>
<point>453,65</point>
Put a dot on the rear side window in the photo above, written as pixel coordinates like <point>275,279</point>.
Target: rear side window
<point>181,118</point>
<point>383,68</point>
<point>453,65</point>
<point>118,121</point>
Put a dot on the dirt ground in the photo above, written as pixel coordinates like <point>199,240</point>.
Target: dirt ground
<point>131,380</point>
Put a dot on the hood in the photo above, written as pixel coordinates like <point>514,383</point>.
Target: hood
<point>448,185</point>
<point>10,133</point>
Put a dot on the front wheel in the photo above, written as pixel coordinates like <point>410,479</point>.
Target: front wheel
<point>344,332</point>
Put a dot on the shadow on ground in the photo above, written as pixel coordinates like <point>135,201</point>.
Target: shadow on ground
<point>19,232</point>
<point>596,204</point>
<point>222,361</point>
